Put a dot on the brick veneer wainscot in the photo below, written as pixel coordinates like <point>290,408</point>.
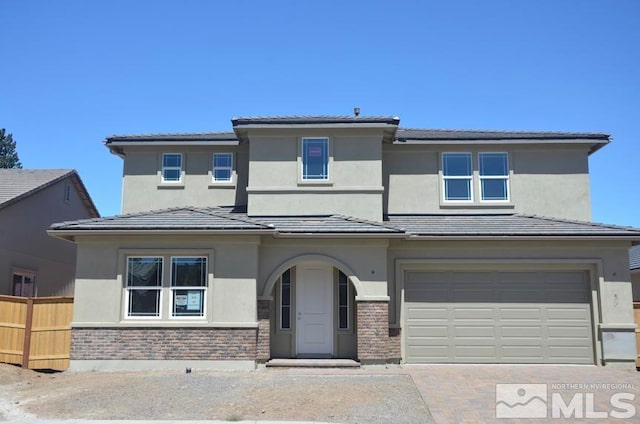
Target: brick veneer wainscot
<point>157,343</point>
<point>373,331</point>
<point>263,353</point>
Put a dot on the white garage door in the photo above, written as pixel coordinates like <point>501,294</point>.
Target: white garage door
<point>498,317</point>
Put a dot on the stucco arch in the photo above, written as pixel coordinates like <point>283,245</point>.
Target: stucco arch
<point>273,277</point>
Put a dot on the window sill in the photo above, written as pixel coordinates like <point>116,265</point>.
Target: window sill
<point>318,183</point>
<point>174,186</point>
<point>475,205</point>
<point>222,184</point>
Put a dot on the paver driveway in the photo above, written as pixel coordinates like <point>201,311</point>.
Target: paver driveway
<point>467,393</point>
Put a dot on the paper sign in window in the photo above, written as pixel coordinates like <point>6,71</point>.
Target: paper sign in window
<point>193,301</point>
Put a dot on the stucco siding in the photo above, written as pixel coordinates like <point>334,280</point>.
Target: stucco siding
<point>553,182</point>
<point>144,190</point>
<point>231,298</point>
<point>354,186</point>
<point>26,245</point>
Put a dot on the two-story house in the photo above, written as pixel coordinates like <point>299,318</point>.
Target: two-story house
<point>349,237</point>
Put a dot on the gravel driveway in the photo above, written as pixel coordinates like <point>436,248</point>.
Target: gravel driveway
<point>374,395</point>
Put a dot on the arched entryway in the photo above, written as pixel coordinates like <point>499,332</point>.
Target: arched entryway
<point>312,308</point>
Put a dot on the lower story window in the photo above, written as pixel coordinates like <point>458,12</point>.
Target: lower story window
<point>188,286</point>
<point>144,287</point>
<point>285,300</point>
<point>24,283</point>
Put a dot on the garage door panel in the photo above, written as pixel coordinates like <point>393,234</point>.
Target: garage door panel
<point>520,331</point>
<point>474,331</point>
<point>506,320</point>
<point>429,331</point>
<point>475,351</point>
<point>567,314</point>
<point>524,312</point>
<point>471,312</point>
<point>433,312</point>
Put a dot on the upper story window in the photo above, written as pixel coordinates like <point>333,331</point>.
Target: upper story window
<point>171,167</point>
<point>494,176</point>
<point>222,167</point>
<point>315,159</point>
<point>488,183</point>
<point>457,175</point>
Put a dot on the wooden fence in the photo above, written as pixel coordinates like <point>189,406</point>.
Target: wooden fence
<point>35,332</point>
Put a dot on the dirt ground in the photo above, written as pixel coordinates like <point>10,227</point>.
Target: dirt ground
<point>345,396</point>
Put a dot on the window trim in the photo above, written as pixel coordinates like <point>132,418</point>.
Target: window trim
<point>281,305</point>
<point>329,164</point>
<point>469,178</point>
<point>231,167</point>
<point>203,288</point>
<point>128,289</point>
<point>163,168</point>
<point>506,178</point>
<point>23,273</point>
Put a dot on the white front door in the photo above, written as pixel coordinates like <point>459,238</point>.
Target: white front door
<point>314,310</point>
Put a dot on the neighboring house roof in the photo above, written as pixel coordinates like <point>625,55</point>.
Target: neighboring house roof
<point>392,133</point>
<point>17,184</point>
<point>222,219</point>
<point>634,258</point>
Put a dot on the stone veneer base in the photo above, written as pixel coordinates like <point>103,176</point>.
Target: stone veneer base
<point>139,344</point>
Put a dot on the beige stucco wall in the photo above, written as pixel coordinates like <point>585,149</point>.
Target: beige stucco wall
<point>547,181</point>
<point>26,245</point>
<point>143,189</point>
<point>232,267</point>
<point>355,174</point>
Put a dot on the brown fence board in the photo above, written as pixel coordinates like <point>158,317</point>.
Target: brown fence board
<point>40,326</point>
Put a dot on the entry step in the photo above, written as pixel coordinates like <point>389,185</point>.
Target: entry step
<point>313,363</point>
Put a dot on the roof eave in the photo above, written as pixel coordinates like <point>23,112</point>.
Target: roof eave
<point>69,234</point>
<point>542,237</point>
<point>334,235</point>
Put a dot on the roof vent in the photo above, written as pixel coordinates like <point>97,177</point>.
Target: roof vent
<point>356,111</point>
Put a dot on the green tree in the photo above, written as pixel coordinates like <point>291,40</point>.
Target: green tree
<point>8,154</point>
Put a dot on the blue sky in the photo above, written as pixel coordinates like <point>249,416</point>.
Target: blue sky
<point>74,72</point>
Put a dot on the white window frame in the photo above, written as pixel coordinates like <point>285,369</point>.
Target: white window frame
<point>203,289</point>
<point>303,178</point>
<point>214,168</point>
<point>23,273</point>
<point>171,168</point>
<point>281,306</point>
<point>128,289</point>
<point>493,177</point>
<point>468,178</point>
<point>348,302</point>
